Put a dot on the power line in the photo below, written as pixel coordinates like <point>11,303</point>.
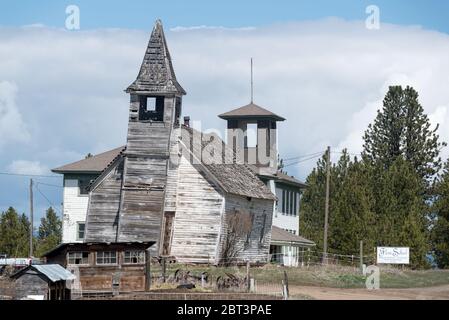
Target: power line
<point>28,175</point>
<point>48,200</point>
<point>304,156</point>
<point>49,185</point>
<point>303,160</point>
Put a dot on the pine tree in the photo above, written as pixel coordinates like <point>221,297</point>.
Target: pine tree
<point>50,232</point>
<point>14,233</point>
<point>312,205</point>
<point>353,219</point>
<point>440,230</point>
<point>402,128</point>
<point>401,211</point>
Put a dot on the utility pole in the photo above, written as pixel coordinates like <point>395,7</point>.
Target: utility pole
<point>326,207</point>
<point>31,218</point>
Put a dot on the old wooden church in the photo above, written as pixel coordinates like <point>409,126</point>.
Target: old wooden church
<point>200,200</point>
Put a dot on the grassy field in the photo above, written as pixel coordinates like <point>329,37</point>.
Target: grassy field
<point>330,276</point>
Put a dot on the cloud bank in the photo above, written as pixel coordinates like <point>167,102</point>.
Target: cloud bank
<point>61,92</point>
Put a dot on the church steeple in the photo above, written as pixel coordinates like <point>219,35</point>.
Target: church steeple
<point>156,74</point>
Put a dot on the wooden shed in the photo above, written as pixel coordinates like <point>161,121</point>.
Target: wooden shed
<point>104,267</point>
<point>43,282</point>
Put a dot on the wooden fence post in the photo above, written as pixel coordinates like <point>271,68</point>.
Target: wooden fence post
<point>164,269</point>
<point>287,293</point>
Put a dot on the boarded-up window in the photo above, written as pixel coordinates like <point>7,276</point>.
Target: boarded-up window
<point>169,218</point>
<point>262,230</point>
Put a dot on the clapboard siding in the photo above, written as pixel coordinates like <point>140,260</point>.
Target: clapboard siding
<point>198,214</point>
<point>171,188</point>
<point>104,206</point>
<point>74,209</point>
<point>255,251</point>
<point>145,176</point>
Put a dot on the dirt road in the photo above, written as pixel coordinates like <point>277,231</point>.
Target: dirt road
<point>322,293</point>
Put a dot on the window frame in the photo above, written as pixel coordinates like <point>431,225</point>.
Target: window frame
<point>141,252</point>
<point>78,223</point>
<point>80,194</point>
<point>78,252</point>
<point>106,264</point>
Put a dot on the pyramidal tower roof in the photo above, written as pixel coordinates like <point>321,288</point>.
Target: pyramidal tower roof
<point>156,75</point>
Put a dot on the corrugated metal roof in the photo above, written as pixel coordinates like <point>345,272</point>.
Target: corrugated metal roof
<point>54,272</point>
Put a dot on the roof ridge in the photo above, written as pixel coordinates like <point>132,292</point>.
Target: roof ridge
<point>156,73</point>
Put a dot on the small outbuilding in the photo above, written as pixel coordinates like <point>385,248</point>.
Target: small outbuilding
<point>42,282</point>
<point>104,268</point>
<point>288,249</point>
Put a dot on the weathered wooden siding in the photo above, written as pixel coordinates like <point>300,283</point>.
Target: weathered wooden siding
<point>145,175</point>
<point>104,204</point>
<point>256,251</point>
<point>31,283</point>
<point>198,215</point>
<point>173,172</point>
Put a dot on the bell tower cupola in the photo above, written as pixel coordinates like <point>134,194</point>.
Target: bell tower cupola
<point>252,134</point>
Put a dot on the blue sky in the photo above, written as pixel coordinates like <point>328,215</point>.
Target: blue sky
<point>52,119</point>
<point>140,14</point>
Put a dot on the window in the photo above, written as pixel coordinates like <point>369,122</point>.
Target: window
<point>83,184</point>
<point>151,104</point>
<point>134,257</point>
<point>80,229</point>
<point>107,257</point>
<point>74,258</point>
<point>151,108</point>
<point>251,135</point>
<point>290,204</point>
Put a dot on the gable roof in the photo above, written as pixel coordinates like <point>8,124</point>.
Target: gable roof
<point>53,272</point>
<point>156,73</point>
<point>250,111</point>
<point>94,164</point>
<point>281,177</point>
<point>282,236</point>
<point>232,177</point>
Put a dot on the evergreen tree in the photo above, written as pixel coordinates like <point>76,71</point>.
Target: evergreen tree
<point>312,205</point>
<point>14,233</point>
<point>50,232</point>
<point>402,128</point>
<point>440,230</point>
<point>352,216</point>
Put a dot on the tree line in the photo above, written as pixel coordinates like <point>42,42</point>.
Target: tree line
<point>396,193</point>
<point>15,233</point>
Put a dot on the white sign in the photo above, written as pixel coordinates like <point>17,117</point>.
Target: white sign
<point>393,255</point>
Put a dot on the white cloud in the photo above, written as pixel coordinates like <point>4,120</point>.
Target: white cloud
<point>326,77</point>
<point>27,167</point>
<point>12,127</point>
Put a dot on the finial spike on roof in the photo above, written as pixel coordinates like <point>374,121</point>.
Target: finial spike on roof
<point>156,75</point>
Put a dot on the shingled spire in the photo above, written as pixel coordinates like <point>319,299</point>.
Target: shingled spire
<point>156,74</point>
